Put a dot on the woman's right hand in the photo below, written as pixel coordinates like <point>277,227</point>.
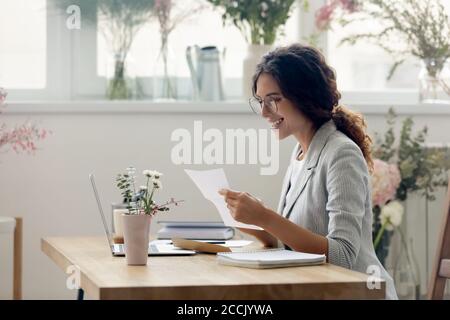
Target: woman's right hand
<point>245,230</point>
<point>266,238</point>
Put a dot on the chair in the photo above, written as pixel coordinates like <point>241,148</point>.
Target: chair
<point>441,269</point>
<point>10,225</point>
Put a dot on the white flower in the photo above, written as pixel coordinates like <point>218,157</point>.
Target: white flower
<point>147,173</point>
<point>131,170</point>
<point>157,183</point>
<point>152,174</point>
<point>157,174</point>
<point>143,188</point>
<point>392,214</point>
<point>264,6</point>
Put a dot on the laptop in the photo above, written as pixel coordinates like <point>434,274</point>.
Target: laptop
<point>154,249</point>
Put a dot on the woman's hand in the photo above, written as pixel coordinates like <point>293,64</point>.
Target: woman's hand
<point>244,207</point>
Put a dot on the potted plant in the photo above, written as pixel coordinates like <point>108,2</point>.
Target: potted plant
<point>260,22</point>
<point>414,28</point>
<point>141,207</point>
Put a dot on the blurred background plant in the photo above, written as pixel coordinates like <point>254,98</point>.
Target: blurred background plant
<point>422,168</point>
<point>21,138</point>
<point>170,14</point>
<point>387,213</point>
<point>417,28</point>
<point>403,166</point>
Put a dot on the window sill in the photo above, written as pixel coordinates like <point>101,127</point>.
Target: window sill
<point>188,107</point>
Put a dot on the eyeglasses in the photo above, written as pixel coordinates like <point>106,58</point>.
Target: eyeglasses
<point>270,102</point>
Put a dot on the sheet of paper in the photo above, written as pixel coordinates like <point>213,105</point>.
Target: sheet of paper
<point>210,182</point>
<point>237,243</point>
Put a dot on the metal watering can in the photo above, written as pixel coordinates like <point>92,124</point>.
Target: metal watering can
<point>206,74</point>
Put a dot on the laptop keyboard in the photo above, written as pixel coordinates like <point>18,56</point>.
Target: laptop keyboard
<point>151,248</point>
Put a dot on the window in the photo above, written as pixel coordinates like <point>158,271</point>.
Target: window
<point>23,44</point>
<point>202,29</point>
<point>40,59</point>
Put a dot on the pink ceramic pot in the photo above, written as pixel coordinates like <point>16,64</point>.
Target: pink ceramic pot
<point>136,228</point>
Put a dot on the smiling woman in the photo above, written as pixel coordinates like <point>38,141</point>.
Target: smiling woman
<point>325,204</point>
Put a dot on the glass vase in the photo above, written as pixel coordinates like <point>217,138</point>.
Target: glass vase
<point>164,74</point>
<point>121,81</point>
<point>406,272</point>
<point>383,244</point>
<point>254,54</point>
<point>434,81</point>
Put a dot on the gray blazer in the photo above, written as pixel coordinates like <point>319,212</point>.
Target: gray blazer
<point>332,198</point>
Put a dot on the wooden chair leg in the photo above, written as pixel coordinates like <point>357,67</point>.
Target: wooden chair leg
<point>441,267</point>
<point>437,290</point>
<point>17,275</point>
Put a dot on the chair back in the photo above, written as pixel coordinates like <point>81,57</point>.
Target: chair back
<point>441,268</point>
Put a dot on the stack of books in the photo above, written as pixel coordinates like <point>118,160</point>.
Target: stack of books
<point>195,230</point>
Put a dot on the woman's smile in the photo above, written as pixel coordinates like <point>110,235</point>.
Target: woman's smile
<point>276,123</point>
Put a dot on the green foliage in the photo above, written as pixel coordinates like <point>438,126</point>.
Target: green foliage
<point>422,168</point>
<point>258,20</point>
<point>137,201</point>
<point>123,183</point>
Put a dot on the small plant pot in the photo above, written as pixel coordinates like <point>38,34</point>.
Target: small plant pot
<point>136,230</point>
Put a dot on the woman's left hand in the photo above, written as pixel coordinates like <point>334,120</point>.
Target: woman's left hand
<point>243,206</point>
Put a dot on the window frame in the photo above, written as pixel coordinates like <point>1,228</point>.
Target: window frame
<point>78,48</point>
<point>57,66</point>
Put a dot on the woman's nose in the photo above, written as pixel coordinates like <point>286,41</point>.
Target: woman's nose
<point>265,112</point>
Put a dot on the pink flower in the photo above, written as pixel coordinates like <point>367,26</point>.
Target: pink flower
<point>325,14</point>
<point>349,5</point>
<point>163,4</point>
<point>385,181</point>
<point>22,138</point>
<point>3,95</point>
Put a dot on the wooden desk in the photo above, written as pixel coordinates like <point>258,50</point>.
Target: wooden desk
<point>199,277</point>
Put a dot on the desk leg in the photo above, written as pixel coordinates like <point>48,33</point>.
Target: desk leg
<point>80,295</point>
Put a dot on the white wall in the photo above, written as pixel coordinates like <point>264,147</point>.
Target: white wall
<point>51,191</point>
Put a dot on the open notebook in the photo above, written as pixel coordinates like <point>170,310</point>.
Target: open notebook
<point>270,258</point>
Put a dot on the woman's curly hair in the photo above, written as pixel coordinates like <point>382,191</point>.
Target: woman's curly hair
<point>306,79</point>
